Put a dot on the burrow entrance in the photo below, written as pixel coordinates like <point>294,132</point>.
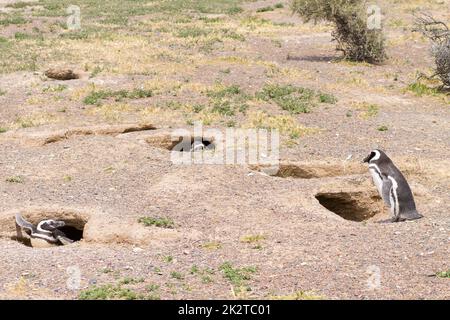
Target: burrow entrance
<point>316,170</point>
<point>72,230</point>
<point>354,206</point>
<point>182,143</point>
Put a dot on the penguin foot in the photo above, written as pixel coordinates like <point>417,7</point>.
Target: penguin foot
<point>414,215</point>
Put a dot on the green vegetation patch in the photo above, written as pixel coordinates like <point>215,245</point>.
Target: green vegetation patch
<point>95,97</point>
<point>157,222</point>
<point>227,100</point>
<point>294,99</point>
<point>443,274</point>
<point>110,292</point>
<point>12,19</point>
<point>237,276</point>
<point>420,89</point>
<point>15,179</point>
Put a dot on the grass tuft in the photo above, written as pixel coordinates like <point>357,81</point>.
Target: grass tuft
<point>294,99</point>
<point>157,222</point>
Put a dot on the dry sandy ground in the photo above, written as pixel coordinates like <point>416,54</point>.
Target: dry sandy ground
<point>91,171</point>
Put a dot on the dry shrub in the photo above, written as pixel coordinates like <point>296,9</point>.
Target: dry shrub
<point>354,38</point>
<point>439,33</point>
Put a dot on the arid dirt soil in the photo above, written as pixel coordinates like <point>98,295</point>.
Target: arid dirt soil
<point>102,162</point>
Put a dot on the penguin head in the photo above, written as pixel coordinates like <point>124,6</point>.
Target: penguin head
<point>375,155</point>
<point>50,225</point>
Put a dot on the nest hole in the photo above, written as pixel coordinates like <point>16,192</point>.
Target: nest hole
<point>192,144</point>
<point>354,206</point>
<point>315,170</point>
<point>72,230</point>
<point>72,233</point>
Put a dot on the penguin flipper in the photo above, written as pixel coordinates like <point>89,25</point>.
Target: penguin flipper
<point>386,191</point>
<point>22,223</point>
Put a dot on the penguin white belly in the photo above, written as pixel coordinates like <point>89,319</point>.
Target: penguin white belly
<point>377,180</point>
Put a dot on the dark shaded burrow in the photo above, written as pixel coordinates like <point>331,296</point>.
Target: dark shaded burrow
<point>354,206</point>
<point>72,233</point>
<point>192,144</point>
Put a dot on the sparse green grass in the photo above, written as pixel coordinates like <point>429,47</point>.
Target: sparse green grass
<point>194,269</point>
<point>193,32</point>
<point>224,108</point>
<point>223,92</point>
<point>369,110</point>
<point>152,287</point>
<point>2,93</point>
<point>95,72</point>
<point>420,89</point>
<point>3,130</point>
<point>285,124</point>
<point>299,295</point>
<point>205,274</point>
<point>95,97</point>
<point>110,292</point>
<point>271,8</point>
<point>130,280</point>
<point>382,128</point>
<point>443,274</point>
<point>157,222</point>
<point>24,36</point>
<point>237,276</point>
<point>294,99</point>
<point>57,88</point>
<point>15,179</point>
<point>21,4</point>
<point>227,100</point>
<point>106,270</point>
<point>327,98</point>
<point>168,259</point>
<point>212,245</point>
<point>252,238</point>
<point>12,19</point>
<point>265,9</point>
<point>177,275</point>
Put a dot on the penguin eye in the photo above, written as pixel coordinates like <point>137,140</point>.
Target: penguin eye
<point>372,154</point>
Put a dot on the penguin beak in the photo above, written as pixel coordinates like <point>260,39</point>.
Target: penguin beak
<point>366,159</point>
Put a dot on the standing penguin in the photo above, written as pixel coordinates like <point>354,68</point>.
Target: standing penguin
<point>392,186</point>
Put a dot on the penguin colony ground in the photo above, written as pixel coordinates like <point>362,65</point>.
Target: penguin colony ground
<point>390,182</point>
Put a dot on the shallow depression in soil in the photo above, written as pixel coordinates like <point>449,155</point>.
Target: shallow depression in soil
<point>354,206</point>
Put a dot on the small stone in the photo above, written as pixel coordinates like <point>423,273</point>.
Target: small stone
<point>137,249</point>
